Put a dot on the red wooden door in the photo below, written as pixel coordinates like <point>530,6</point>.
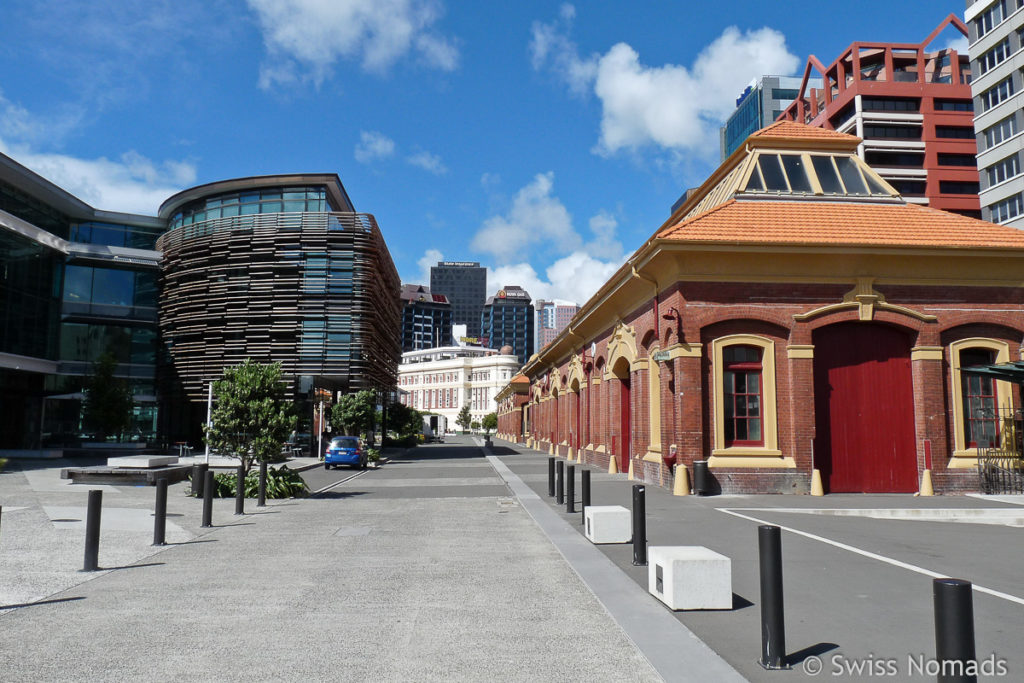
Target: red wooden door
<point>625,426</point>
<point>864,409</point>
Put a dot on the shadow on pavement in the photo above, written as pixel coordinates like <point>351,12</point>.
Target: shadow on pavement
<point>339,494</point>
<point>130,566</point>
<point>41,602</point>
<point>812,651</point>
<point>740,602</point>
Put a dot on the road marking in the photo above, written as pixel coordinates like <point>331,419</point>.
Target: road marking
<point>875,556</point>
<point>339,482</point>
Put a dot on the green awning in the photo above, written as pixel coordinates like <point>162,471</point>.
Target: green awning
<point>1007,372</point>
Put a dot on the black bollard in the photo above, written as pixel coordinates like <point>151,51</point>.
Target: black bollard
<point>570,489</point>
<point>585,492</point>
<point>559,479</point>
<point>92,531</point>
<point>551,477</point>
<point>240,491</point>
<point>261,500</point>
<point>639,525</point>
<point>773,621</point>
<point>160,512</point>
<point>208,500</point>
<point>954,629</point>
<point>198,477</point>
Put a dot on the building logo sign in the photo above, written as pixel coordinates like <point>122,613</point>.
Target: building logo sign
<point>512,294</point>
<point>460,264</point>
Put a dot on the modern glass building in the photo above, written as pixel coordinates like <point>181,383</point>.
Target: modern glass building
<point>75,283</point>
<point>758,106</point>
<point>277,269</point>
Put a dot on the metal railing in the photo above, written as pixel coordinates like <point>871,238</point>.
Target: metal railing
<point>1001,469</point>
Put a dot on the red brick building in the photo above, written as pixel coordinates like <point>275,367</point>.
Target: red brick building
<point>913,111</point>
<point>794,314</point>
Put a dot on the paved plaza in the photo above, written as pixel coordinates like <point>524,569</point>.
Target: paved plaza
<point>451,563</point>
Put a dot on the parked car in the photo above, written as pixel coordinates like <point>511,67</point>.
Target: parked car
<point>345,450</point>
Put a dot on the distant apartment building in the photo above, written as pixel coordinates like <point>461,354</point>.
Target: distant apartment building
<point>442,380</point>
<point>426,319</point>
<point>465,285</point>
<point>913,110</point>
<point>552,318</point>
<point>758,106</point>
<point>996,34</point>
<point>508,319</point>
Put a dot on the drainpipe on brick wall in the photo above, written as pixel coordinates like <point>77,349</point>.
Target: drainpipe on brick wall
<point>646,278</point>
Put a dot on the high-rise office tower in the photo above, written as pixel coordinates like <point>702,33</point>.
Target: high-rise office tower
<point>465,285</point>
<point>426,319</point>
<point>996,33</point>
<point>910,103</point>
<point>552,318</point>
<point>507,320</point>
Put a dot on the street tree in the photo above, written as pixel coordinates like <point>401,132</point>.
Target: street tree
<point>107,410</point>
<point>490,422</point>
<point>355,413</point>
<point>475,425</point>
<point>405,420</point>
<point>464,419</point>
<point>251,418</point>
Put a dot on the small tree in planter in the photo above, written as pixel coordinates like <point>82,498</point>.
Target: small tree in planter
<point>464,419</point>
<point>475,425</point>
<point>251,418</point>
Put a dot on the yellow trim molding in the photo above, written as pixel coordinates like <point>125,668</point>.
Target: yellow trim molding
<point>927,353</point>
<point>800,351</point>
<point>964,457</point>
<point>769,461</point>
<point>768,407</point>
<point>681,350</point>
<point>865,298</point>
<point>654,404</point>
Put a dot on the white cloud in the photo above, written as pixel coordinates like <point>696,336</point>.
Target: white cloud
<point>428,162</point>
<point>671,106</point>
<point>373,146</point>
<point>304,38</point>
<point>535,217</point>
<point>131,183</point>
<point>431,257</point>
<point>604,244</point>
<point>960,44</point>
<point>575,278</point>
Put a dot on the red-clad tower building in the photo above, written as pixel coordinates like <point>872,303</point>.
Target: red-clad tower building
<point>912,109</point>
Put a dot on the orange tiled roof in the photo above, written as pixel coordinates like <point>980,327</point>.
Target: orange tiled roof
<point>520,378</point>
<point>841,223</point>
<point>792,129</point>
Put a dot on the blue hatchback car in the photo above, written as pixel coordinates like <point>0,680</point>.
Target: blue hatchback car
<point>345,450</point>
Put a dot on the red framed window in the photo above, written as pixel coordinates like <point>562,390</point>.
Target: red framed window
<point>742,396</point>
<point>981,418</point>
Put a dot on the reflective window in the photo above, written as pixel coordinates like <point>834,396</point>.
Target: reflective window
<point>796,173</point>
<point>828,178</point>
<point>851,176</point>
<point>771,171</point>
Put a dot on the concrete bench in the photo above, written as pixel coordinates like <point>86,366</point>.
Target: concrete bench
<point>608,524</point>
<point>142,461</point>
<point>689,577</point>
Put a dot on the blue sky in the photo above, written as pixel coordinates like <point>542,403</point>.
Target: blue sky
<point>545,140</point>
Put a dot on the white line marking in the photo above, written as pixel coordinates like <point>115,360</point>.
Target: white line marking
<point>876,556</point>
<point>339,482</point>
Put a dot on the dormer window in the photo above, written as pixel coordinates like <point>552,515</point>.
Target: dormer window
<point>812,174</point>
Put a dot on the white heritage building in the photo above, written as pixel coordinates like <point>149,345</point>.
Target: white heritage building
<point>444,379</point>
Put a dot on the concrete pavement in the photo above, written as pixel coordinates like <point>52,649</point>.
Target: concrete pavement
<point>380,578</point>
<point>858,569</point>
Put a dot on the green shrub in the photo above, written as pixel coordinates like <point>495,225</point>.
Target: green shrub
<point>407,441</point>
<point>372,455</point>
<point>282,482</point>
<point>3,461</point>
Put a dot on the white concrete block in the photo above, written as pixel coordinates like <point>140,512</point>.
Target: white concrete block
<point>608,524</point>
<point>144,461</point>
<point>689,577</point>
